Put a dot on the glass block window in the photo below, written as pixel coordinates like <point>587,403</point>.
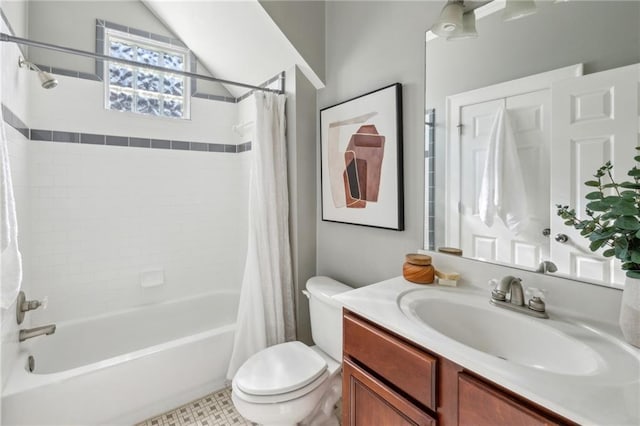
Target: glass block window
<point>141,90</point>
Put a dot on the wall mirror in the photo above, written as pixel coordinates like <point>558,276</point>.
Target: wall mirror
<point>520,117</point>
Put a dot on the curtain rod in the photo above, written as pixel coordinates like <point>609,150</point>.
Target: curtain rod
<point>72,51</point>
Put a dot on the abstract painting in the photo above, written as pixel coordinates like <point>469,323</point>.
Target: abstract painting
<point>361,160</point>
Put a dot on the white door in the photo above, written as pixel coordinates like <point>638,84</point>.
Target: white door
<point>470,116</point>
<point>595,120</point>
<point>529,114</point>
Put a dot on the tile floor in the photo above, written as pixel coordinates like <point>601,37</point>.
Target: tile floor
<point>215,409</point>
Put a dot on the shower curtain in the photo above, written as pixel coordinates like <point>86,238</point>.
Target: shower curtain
<point>265,312</point>
<point>11,275</point>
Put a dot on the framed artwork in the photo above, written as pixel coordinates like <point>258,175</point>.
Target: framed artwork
<point>361,160</point>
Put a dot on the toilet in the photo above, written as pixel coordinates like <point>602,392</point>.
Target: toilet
<point>293,383</point>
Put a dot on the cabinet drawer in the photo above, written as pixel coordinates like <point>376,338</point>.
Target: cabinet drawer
<point>407,368</point>
<point>368,402</point>
<point>481,404</point>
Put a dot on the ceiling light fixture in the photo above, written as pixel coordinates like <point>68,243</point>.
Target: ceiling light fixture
<point>450,19</point>
<point>468,29</point>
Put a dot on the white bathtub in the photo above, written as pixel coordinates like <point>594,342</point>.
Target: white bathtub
<point>122,368</point>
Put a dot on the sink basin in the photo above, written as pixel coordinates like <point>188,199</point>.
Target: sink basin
<point>542,344</point>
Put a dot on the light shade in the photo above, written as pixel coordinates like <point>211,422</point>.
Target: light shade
<point>468,29</point>
<point>516,9</point>
<point>450,19</point>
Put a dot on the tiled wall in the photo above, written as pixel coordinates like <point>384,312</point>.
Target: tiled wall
<point>102,216</point>
<point>116,194</point>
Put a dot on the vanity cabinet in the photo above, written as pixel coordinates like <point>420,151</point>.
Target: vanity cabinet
<point>388,381</point>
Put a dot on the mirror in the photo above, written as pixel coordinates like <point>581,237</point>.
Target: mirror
<point>517,119</point>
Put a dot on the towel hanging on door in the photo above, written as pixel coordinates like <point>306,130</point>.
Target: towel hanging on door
<point>502,191</point>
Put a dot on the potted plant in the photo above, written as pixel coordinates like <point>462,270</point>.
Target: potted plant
<point>613,226</point>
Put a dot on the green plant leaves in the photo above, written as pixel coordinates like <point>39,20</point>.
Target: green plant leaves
<point>635,172</point>
<point>631,185</point>
<point>598,206</point>
<point>612,221</point>
<point>597,195</point>
<point>633,273</point>
<point>627,222</point>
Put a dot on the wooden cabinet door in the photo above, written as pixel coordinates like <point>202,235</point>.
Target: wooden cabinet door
<point>369,402</point>
<point>480,404</point>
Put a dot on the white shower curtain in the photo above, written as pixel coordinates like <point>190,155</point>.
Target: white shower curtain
<point>11,276</point>
<point>265,312</point>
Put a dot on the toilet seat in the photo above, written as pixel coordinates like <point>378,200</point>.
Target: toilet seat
<point>282,397</point>
<point>280,373</point>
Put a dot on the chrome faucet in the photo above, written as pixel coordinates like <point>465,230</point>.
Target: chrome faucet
<point>37,331</point>
<point>547,266</point>
<point>513,287</point>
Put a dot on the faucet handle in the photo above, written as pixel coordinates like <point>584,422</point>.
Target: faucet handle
<point>497,294</point>
<point>537,298</point>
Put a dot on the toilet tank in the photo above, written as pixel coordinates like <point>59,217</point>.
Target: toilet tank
<point>326,314</point>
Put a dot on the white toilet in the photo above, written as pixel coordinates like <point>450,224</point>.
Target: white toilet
<point>291,382</point>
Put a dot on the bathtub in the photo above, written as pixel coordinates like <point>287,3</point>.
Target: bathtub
<point>123,367</point>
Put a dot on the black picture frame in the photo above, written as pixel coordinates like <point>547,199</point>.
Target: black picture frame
<point>361,160</point>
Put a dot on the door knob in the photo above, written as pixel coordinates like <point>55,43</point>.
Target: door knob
<point>562,238</point>
<point>546,232</point>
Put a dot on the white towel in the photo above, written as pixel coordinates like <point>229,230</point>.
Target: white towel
<point>502,192</point>
<point>11,258</point>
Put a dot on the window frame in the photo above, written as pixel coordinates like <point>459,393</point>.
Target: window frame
<point>147,43</point>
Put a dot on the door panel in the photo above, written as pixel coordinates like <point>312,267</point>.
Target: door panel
<point>529,115</point>
<point>595,120</point>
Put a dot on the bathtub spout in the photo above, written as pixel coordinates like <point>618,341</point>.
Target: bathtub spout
<point>36,331</point>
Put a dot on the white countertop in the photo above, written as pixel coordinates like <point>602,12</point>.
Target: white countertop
<point>609,396</point>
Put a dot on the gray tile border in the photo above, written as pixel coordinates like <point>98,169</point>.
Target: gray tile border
<point>92,139</point>
<point>139,33</point>
<point>118,27</point>
<point>160,144</point>
<point>180,145</point>
<point>198,146</point>
<point>99,32</point>
<point>111,140</point>
<point>66,137</point>
<point>140,142</point>
<point>244,147</point>
<point>158,37</point>
<point>41,135</point>
<point>117,140</point>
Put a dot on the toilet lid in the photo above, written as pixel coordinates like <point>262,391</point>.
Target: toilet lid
<point>280,369</point>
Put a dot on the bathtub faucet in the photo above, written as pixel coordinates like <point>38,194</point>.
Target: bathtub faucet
<point>37,331</point>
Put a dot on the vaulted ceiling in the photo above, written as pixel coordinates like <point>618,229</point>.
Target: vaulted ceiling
<point>234,40</point>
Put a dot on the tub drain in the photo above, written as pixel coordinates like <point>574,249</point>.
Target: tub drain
<point>31,363</point>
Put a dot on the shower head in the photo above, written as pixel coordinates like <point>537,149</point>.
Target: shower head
<point>47,81</point>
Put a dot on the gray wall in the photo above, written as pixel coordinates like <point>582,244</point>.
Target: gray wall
<point>370,45</point>
<point>301,149</point>
<point>73,24</point>
<point>600,34</point>
<point>16,13</point>
<point>303,23</point>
